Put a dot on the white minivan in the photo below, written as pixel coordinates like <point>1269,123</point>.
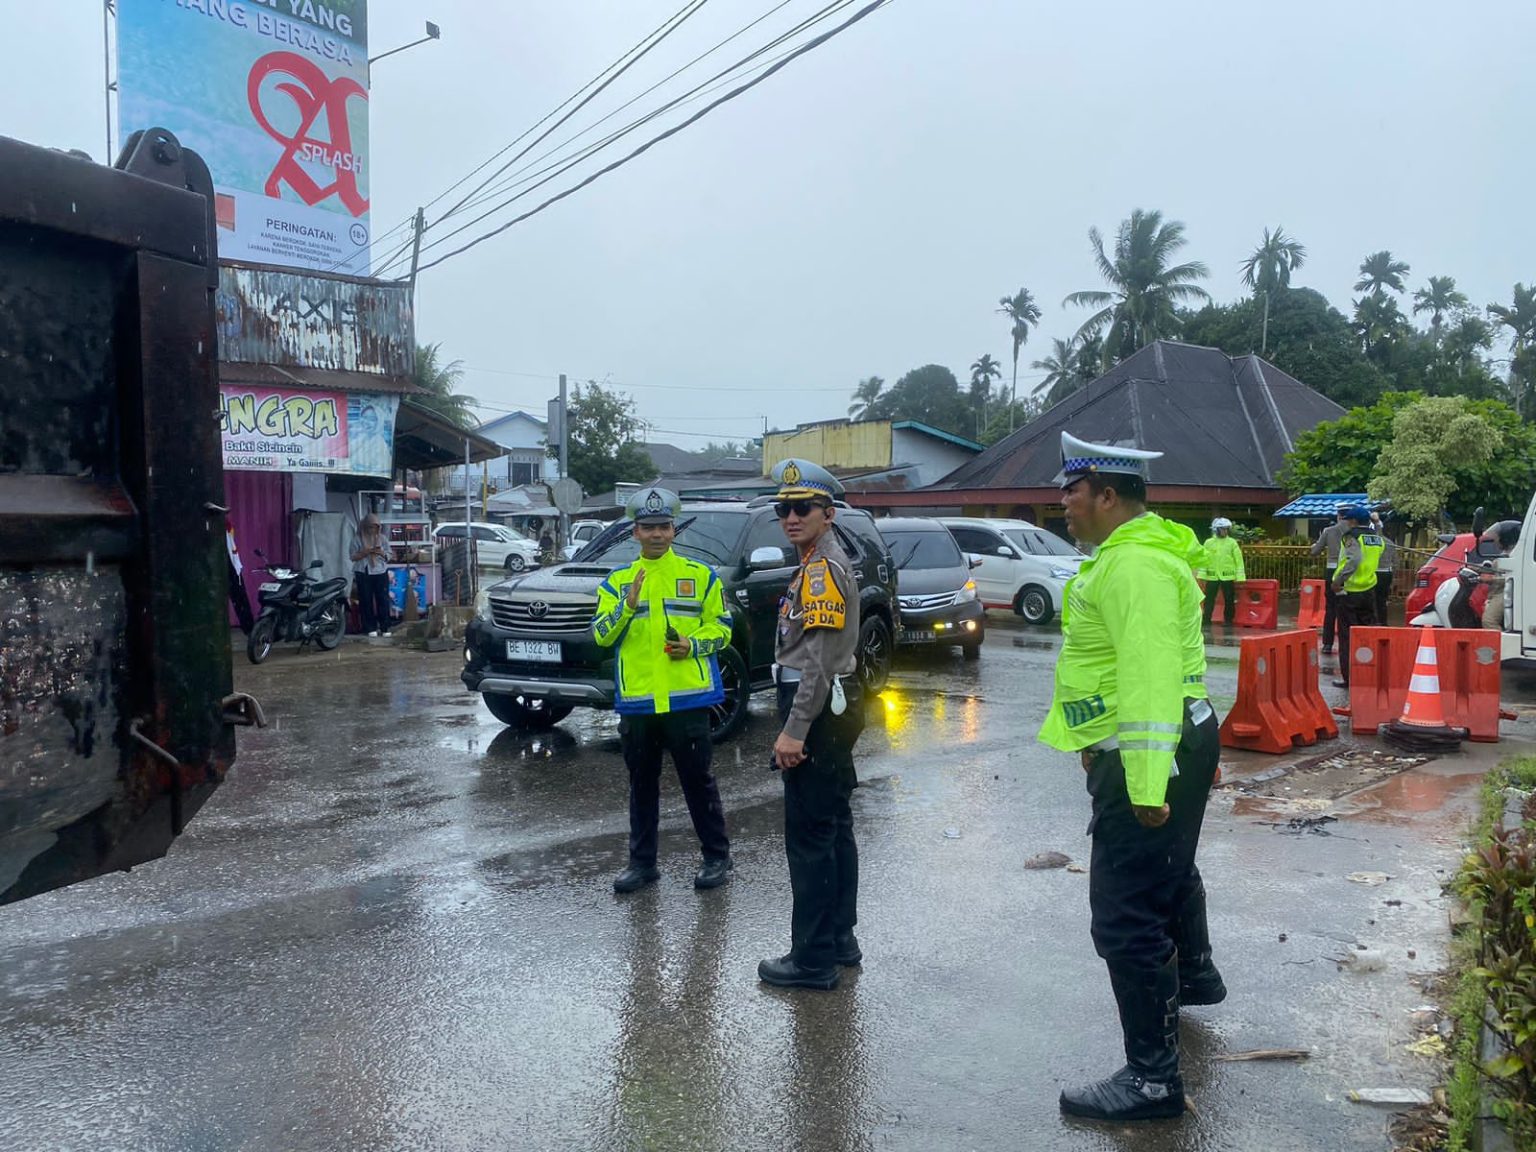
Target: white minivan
<point>1022,567</point>
<point>496,545</point>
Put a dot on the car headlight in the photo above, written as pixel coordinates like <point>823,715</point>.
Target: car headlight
<point>483,605</point>
<point>1063,573</point>
<point>967,592</point>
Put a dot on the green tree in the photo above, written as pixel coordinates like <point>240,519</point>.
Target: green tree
<point>1519,318</point>
<point>440,382</point>
<point>602,445</point>
<point>1269,268</point>
<point>1380,271</point>
<point>1070,366</point>
<point>1010,417</point>
<point>1380,327</point>
<point>1349,455</point>
<point>864,396</point>
<point>984,370</point>
<point>1437,298</point>
<point>929,394</point>
<point>1146,288</point>
<point>1023,314</point>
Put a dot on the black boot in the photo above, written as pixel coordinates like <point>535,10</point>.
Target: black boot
<point>1148,1087</point>
<point>636,877</point>
<point>1199,982</point>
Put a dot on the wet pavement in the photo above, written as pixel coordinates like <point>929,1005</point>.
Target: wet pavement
<point>393,929</point>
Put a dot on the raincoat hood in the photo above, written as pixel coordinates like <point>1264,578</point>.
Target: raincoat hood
<point>1152,530</point>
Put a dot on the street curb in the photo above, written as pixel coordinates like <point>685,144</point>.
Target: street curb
<point>1489,1133</point>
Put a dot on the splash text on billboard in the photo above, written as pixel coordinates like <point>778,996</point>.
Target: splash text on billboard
<point>310,37</point>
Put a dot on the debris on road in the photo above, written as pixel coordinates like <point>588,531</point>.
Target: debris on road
<point>1432,1045</point>
<point>1392,1097</point>
<point>1041,861</point>
<point>1266,1054</point>
<point>951,833</point>
<point>1078,868</point>
<point>1370,879</point>
<point>1363,959</point>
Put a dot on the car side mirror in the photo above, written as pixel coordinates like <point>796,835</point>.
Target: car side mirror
<point>1006,552</point>
<point>974,561</point>
<point>1489,550</point>
<point>766,558</point>
<point>317,563</point>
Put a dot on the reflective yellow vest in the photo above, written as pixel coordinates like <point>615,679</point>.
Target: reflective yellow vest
<point>1363,578</point>
<point>1222,559</point>
<point>1132,652</point>
<point>679,592</point>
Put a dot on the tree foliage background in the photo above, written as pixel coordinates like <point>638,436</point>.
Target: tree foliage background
<point>602,447</point>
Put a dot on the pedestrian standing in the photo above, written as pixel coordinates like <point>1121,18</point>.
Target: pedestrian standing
<point>666,613</point>
<point>1130,698</point>
<point>370,574</point>
<point>821,707</point>
<point>1222,566</point>
<point>1327,542</point>
<point>1385,569</point>
<point>1355,581</point>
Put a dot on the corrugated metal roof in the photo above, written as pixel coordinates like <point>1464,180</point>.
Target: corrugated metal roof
<point>1219,421</point>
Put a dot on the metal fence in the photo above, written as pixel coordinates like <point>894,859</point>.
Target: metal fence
<point>1292,563</point>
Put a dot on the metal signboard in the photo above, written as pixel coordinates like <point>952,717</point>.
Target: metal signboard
<point>274,95</point>
<point>300,430</point>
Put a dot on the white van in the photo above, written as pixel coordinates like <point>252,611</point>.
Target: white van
<point>1022,567</point>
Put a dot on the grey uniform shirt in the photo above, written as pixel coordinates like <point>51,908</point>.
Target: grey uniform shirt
<point>1330,539</point>
<point>825,596</point>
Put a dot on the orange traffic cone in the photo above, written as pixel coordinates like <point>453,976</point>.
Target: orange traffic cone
<point>1423,709</point>
<point>1422,726</point>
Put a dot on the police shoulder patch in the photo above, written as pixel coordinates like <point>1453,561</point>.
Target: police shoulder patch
<point>685,586</point>
<point>821,600</point>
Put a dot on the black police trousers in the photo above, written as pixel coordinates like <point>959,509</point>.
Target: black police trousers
<point>818,829</point>
<point>1140,879</point>
<point>1330,609</point>
<point>1354,608</point>
<point>686,735</point>
<point>1227,590</point>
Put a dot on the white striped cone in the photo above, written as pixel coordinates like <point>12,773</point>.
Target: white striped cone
<point>1422,708</point>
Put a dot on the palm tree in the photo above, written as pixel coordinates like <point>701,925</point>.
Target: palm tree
<point>1519,317</point>
<point>1438,298</point>
<point>983,372</point>
<point>1380,271</point>
<point>864,396</point>
<point>1061,372</point>
<point>1273,261</point>
<point>1022,313</point>
<point>1378,323</point>
<point>1145,286</point>
<point>439,382</point>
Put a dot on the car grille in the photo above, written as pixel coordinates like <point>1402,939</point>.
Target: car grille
<point>556,616</point>
<point>927,603</point>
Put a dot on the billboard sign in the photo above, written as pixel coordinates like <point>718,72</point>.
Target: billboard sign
<point>299,430</point>
<point>274,95</point>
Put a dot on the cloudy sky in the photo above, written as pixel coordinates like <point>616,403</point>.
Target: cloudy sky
<point>862,211</point>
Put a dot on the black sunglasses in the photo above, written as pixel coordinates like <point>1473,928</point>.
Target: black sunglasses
<point>801,508</point>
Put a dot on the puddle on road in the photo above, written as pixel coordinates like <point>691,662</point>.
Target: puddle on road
<point>1412,792</point>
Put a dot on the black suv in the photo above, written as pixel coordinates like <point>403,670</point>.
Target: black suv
<point>529,651</point>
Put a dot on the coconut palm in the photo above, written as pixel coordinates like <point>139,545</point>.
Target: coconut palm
<point>1437,298</point>
<point>1380,271</point>
<point>864,396</point>
<point>1023,313</point>
<point>439,381</point>
<point>983,372</point>
<point>1145,286</point>
<point>1269,268</point>
<point>1519,317</point>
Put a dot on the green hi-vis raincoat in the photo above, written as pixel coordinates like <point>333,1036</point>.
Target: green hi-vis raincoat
<point>1221,558</point>
<point>679,592</point>
<point>1132,652</point>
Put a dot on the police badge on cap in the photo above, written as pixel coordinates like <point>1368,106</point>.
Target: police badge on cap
<point>802,480</point>
<point>653,506</point>
<point>1079,458</point>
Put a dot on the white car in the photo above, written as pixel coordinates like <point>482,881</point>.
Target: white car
<point>582,533</point>
<point>1022,567</point>
<point>496,545</point>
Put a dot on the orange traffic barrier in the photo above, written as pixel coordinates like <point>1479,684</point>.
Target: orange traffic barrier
<point>1279,704</point>
<point>1314,604</point>
<point>1382,669</point>
<point>1255,604</point>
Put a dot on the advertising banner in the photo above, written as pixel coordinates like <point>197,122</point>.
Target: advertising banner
<point>274,96</point>
<point>293,430</point>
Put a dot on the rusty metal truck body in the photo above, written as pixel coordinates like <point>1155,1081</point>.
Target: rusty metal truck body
<point>116,705</point>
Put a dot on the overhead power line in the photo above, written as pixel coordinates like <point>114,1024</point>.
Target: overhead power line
<point>809,46</point>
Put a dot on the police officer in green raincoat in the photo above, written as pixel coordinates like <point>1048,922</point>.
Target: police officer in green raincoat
<point>1130,698</point>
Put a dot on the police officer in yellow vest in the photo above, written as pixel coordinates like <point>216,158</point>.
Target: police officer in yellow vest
<point>1354,583</point>
<point>667,615</point>
<point>1130,699</point>
<point>821,707</point>
<point>1221,566</point>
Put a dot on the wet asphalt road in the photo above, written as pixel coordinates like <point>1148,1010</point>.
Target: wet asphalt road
<point>393,929</point>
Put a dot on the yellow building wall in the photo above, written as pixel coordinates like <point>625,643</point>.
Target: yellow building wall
<point>844,444</point>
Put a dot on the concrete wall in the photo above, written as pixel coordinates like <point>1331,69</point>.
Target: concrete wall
<point>934,458</point>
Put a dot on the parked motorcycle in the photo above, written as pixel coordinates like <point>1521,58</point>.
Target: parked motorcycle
<point>1452,605</point>
<point>296,606</point>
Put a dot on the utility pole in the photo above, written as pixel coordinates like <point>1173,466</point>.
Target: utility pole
<point>1264,340</point>
<point>421,224</point>
<point>565,459</point>
<point>106,57</point>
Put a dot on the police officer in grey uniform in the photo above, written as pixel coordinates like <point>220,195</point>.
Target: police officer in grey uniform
<point>821,706</point>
